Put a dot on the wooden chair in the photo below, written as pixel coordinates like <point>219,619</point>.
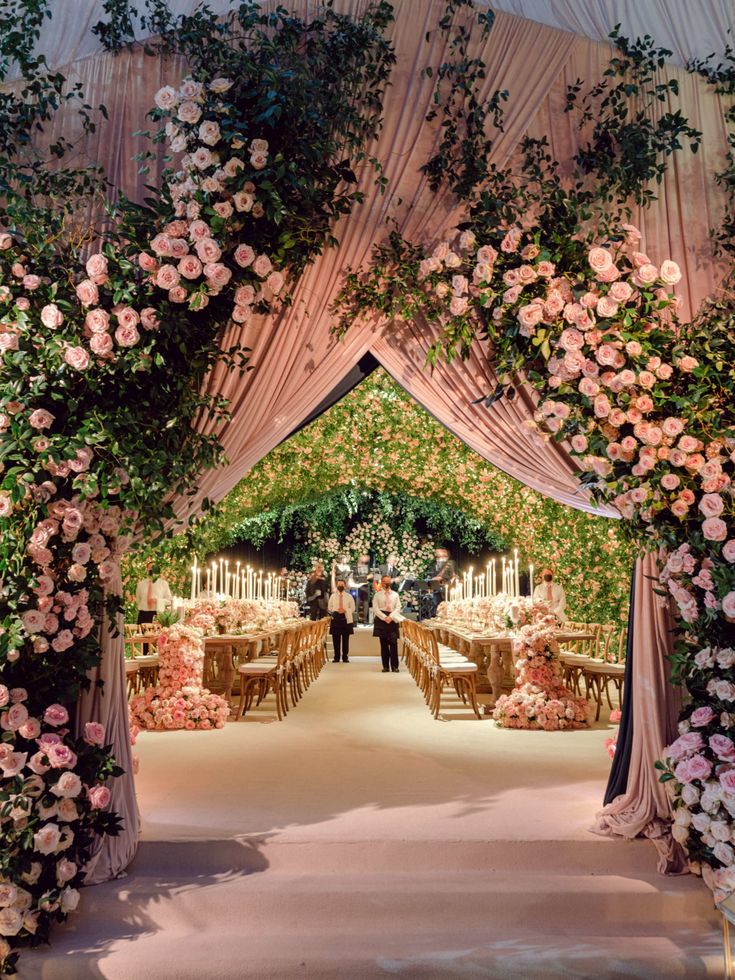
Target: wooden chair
<point>131,676</point>
<point>599,675</point>
<point>261,678</point>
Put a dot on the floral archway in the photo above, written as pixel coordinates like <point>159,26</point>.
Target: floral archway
<point>123,355</point>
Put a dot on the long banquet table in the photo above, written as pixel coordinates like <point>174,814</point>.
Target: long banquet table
<point>492,652</point>
<point>222,653</point>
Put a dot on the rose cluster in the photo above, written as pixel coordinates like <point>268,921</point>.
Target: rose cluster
<point>217,209</point>
<point>540,699</point>
<point>52,798</point>
<point>179,700</point>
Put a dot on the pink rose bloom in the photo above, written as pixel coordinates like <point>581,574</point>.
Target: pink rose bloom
<point>697,767</point>
<point>728,550</point>
<point>101,344</point>
<point>67,786</point>
<point>647,379</point>
<point>47,839</point>
<point>570,339</point>
<point>149,318</point>
<point>588,387</point>
<point>670,272</point>
<point>217,274</point>
<point>723,747</point>
<point>161,244</point>
<point>99,797</point>
<point>679,508</point>
<point>244,295</point>
<point>208,250</point>
<point>51,316</point>
<point>179,248</point>
<point>242,314</point>
<point>15,717</point>
<point>601,406</point>
<point>621,293</point>
<point>178,294</point>
<point>606,307</point>
<point>606,354</point>
<point>190,267</point>
<point>59,755</point>
<point>684,745</point>
<point>87,293</point>
<point>728,605</point>
<point>127,336</point>
<point>55,715</point>
<point>147,262</point>
<point>262,266</point>
<point>688,363</point>
<point>94,733</point>
<point>664,372</point>
<point>646,274</point>
<point>599,259</point>
<point>672,427</point>
<point>579,443</point>
<point>77,358</point>
<point>167,277</point>
<point>33,621</point>
<point>714,529</point>
<point>670,481</point>
<point>244,255</point>
<point>275,282</point>
<point>702,716</point>
<point>96,267</point>
<point>97,321</point>
<point>609,275</point>
<point>711,505</point>
<point>63,641</point>
<point>40,419</point>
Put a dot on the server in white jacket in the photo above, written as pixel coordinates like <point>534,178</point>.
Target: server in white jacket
<point>341,609</point>
<point>387,616</point>
<point>552,594</point>
<point>152,595</point>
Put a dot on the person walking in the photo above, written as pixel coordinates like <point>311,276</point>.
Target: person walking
<point>387,616</point>
<point>341,609</point>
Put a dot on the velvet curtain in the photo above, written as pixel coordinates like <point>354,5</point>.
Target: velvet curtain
<point>297,361</point>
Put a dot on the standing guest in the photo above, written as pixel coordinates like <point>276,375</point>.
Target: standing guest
<point>152,594</point>
<point>341,569</point>
<point>361,577</point>
<point>387,613</point>
<point>316,592</point>
<point>552,594</point>
<point>283,580</point>
<point>342,610</point>
<point>442,573</point>
<point>391,570</point>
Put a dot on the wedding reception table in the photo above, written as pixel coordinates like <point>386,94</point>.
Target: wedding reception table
<point>491,651</point>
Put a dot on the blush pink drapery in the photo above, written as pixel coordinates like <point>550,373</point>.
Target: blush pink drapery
<point>298,362</point>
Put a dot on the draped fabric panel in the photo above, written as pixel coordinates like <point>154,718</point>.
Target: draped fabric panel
<point>644,806</point>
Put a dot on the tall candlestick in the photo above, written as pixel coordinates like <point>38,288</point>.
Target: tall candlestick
<point>193,580</point>
<point>517,576</point>
<point>209,582</point>
<point>199,582</point>
<point>214,578</point>
<point>222,575</point>
<point>530,579</point>
<point>238,594</point>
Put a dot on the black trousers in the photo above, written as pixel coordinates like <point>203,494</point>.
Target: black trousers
<point>146,616</point>
<point>341,645</point>
<point>389,651</point>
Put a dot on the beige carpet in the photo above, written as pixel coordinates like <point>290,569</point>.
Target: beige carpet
<point>361,838</point>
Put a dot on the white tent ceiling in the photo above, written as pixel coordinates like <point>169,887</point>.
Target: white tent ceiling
<point>689,28</point>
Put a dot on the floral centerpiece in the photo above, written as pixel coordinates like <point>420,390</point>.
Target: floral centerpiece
<point>179,700</point>
<point>540,699</point>
<point>499,612</point>
<point>237,616</point>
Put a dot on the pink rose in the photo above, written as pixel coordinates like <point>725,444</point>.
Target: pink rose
<point>40,419</point>
<point>684,745</point>
<point>77,358</point>
<point>167,277</point>
<point>218,275</point>
<point>244,295</point>
<point>208,250</point>
<point>99,797</point>
<point>15,717</point>
<point>87,293</point>
<point>711,505</point>
<point>714,529</point>
<point>697,767</point>
<point>688,363</point>
<point>127,335</point>
<point>55,715</point>
<point>101,344</point>
<point>646,274</point>
<point>702,716</point>
<point>244,255</point>
<point>621,293</point>
<point>728,550</point>
<point>723,747</point>
<point>47,839</point>
<point>97,321</point>
<point>599,259</point>
<point>96,267</point>
<point>51,316</point>
<point>670,272</point>
<point>190,267</point>
<point>147,262</point>
<point>59,755</point>
<point>728,605</point>
<point>67,786</point>
<point>149,318</point>
<point>262,266</point>
<point>94,733</point>
<point>606,307</point>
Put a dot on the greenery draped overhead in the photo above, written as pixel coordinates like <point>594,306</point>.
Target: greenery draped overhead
<point>346,449</point>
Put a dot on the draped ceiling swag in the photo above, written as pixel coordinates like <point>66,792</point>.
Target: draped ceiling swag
<point>297,361</point>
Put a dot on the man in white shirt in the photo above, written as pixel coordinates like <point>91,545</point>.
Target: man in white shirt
<point>341,608</point>
<point>552,594</point>
<point>387,616</point>
<point>152,595</point>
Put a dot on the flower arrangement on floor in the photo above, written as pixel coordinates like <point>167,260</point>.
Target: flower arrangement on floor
<point>540,699</point>
<point>179,700</point>
<point>240,615</point>
<point>52,802</point>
